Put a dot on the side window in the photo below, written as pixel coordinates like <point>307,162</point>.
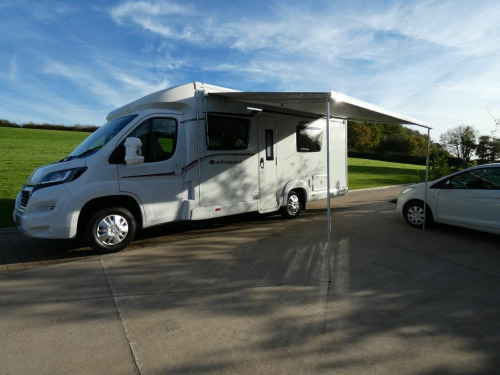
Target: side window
<point>309,138</point>
<point>269,144</point>
<point>484,179</point>
<point>493,178</point>
<point>227,133</point>
<point>158,137</point>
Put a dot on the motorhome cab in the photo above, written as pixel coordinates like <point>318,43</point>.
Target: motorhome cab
<point>186,153</point>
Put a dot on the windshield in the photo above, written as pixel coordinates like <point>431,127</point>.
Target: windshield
<point>100,137</point>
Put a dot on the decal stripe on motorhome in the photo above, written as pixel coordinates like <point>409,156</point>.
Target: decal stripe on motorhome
<point>151,175</point>
<point>187,167</point>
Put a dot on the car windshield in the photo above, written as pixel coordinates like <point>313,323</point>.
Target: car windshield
<point>100,137</point>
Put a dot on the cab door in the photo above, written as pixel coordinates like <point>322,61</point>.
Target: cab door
<point>158,182</point>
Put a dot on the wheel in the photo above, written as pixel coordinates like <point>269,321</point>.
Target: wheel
<point>292,207</point>
<point>110,230</point>
<point>413,212</point>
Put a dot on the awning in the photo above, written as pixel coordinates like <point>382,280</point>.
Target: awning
<point>341,106</point>
<point>328,105</point>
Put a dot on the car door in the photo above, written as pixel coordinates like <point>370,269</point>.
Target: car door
<point>158,182</point>
<point>471,198</point>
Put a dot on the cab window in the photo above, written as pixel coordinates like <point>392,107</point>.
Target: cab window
<point>158,137</point>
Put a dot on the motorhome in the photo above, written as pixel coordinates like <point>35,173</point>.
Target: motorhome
<point>191,152</point>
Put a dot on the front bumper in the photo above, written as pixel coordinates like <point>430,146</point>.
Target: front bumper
<point>51,212</point>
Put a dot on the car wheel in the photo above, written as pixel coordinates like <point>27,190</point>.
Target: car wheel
<point>413,212</point>
<point>110,230</point>
<point>292,207</point>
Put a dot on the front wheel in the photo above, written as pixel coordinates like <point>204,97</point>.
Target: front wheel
<point>413,213</point>
<point>110,230</point>
<point>292,207</point>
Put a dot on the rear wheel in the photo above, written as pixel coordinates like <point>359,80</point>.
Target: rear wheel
<point>292,207</point>
<point>110,230</point>
<point>413,212</point>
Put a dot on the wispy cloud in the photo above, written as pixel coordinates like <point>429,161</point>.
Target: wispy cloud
<point>430,59</point>
<point>13,69</point>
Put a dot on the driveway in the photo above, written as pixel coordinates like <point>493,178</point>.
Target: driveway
<point>251,296</point>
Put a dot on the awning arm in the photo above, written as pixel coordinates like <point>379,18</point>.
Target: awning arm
<point>328,188</point>
<point>426,175</point>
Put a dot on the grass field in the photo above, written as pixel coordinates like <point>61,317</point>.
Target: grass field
<point>364,173</point>
<point>22,150</point>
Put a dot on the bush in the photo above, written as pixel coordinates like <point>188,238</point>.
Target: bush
<point>8,124</point>
<point>31,125</point>
<point>438,167</point>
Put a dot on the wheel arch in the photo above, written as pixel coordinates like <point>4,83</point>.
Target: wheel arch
<point>300,187</point>
<point>415,200</point>
<point>97,204</point>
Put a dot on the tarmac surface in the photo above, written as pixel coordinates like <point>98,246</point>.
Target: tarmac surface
<point>251,295</point>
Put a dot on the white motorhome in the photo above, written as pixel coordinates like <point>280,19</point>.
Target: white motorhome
<point>191,152</point>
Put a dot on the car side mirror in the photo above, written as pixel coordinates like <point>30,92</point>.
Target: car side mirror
<point>133,151</point>
<point>441,185</point>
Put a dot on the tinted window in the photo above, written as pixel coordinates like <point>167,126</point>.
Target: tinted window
<point>227,133</point>
<point>309,138</point>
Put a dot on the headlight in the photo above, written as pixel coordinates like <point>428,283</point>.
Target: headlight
<point>407,189</point>
<point>60,177</point>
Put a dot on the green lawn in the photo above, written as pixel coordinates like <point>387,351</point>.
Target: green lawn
<point>23,150</point>
<point>364,173</point>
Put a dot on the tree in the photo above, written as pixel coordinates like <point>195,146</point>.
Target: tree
<point>363,137</point>
<point>460,141</point>
<point>483,148</point>
<point>488,149</point>
<point>494,150</point>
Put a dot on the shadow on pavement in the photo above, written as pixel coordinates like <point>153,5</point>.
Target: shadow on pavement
<point>256,298</point>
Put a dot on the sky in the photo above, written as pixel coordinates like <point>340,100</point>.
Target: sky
<point>72,62</point>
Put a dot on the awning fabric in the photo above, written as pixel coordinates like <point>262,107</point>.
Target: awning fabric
<point>341,106</point>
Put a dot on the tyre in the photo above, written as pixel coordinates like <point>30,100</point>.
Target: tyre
<point>292,207</point>
<point>413,212</point>
<point>110,230</point>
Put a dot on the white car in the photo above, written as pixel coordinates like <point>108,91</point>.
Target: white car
<point>469,198</point>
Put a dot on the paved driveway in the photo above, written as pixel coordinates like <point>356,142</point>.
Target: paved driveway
<point>252,297</point>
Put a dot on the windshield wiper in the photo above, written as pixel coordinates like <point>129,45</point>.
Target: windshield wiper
<point>85,153</point>
<point>88,152</point>
<point>67,158</point>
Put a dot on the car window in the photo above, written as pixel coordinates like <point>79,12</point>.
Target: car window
<point>482,179</point>
<point>492,178</point>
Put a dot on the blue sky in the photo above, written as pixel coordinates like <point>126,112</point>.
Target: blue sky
<point>72,62</point>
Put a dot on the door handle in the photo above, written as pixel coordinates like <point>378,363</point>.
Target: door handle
<point>177,168</point>
<point>262,163</point>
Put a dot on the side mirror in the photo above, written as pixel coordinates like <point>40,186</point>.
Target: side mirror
<point>133,151</point>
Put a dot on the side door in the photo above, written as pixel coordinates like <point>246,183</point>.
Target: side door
<point>158,182</point>
<point>268,198</point>
<point>471,198</point>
